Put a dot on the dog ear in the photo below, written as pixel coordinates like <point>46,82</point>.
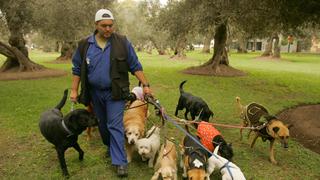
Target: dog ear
<point>276,129</point>
<point>289,126</point>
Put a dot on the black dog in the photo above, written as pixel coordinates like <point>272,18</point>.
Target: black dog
<point>193,104</point>
<point>63,131</point>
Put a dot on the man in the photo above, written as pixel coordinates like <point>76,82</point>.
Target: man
<point>101,63</point>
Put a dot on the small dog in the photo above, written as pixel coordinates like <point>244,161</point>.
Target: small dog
<point>149,146</point>
<point>211,137</point>
<point>166,164</point>
<point>229,170</point>
<point>271,130</point>
<point>193,104</point>
<point>134,124</point>
<point>63,131</point>
<point>250,114</point>
<point>194,160</point>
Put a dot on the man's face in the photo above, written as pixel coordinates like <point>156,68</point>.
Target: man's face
<point>105,27</point>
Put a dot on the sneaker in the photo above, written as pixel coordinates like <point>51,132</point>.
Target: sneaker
<point>122,171</point>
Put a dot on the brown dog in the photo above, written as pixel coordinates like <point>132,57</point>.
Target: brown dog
<point>271,130</point>
<point>134,124</point>
<point>194,160</point>
<point>250,114</point>
<point>166,165</point>
<point>90,129</point>
<point>274,129</point>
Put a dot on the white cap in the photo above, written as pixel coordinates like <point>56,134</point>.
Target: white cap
<point>103,14</point>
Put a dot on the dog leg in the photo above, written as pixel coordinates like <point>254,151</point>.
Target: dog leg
<point>156,175</point>
<point>151,160</point>
<point>88,133</point>
<point>254,140</point>
<point>129,150</point>
<point>81,153</point>
<point>186,114</point>
<point>273,161</point>
<point>62,161</point>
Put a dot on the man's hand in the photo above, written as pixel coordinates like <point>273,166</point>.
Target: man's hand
<point>73,95</point>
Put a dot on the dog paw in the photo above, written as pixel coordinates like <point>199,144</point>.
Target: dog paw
<point>66,175</point>
<point>273,161</point>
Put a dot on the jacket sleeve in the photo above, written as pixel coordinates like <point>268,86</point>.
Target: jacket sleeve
<point>76,63</point>
<point>133,61</point>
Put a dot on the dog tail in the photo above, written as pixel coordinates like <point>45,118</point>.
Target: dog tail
<point>63,100</point>
<point>181,86</point>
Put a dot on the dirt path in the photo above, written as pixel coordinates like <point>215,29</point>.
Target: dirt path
<point>306,125</point>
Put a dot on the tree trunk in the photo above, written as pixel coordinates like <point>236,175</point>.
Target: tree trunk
<point>159,47</point>
<point>67,50</point>
<point>276,47</point>
<point>206,44</point>
<point>268,49</point>
<point>242,45</point>
<point>220,55</point>
<point>218,65</point>
<point>298,46</point>
<point>179,51</point>
<point>16,60</point>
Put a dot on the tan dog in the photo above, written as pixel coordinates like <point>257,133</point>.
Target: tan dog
<point>134,124</point>
<point>166,165</point>
<point>194,160</point>
<point>274,129</point>
<point>250,114</point>
<point>271,130</point>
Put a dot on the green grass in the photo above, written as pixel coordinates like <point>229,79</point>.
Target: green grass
<point>276,84</point>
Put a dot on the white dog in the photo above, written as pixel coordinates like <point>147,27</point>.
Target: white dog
<point>229,170</point>
<point>138,91</point>
<point>149,146</point>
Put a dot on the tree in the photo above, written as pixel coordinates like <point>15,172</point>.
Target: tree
<point>18,18</point>
<point>66,21</point>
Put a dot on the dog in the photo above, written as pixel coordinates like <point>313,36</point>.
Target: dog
<point>250,114</point>
<point>271,130</point>
<point>193,104</point>
<point>90,129</point>
<point>166,164</point>
<point>134,120</point>
<point>63,131</point>
<point>194,161</point>
<point>228,169</point>
<point>275,129</point>
<point>149,146</point>
<point>211,137</point>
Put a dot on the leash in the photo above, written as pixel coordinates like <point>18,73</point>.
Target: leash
<point>152,101</point>
<point>135,106</point>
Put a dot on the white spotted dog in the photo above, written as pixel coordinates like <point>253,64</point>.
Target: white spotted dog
<point>149,146</point>
<point>228,169</point>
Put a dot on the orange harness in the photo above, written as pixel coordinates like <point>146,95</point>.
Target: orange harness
<point>206,133</point>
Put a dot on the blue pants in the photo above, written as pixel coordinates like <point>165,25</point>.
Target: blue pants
<point>110,115</point>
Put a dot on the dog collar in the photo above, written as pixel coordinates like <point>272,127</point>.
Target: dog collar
<point>66,128</point>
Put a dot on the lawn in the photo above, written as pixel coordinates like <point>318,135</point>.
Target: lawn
<point>294,80</point>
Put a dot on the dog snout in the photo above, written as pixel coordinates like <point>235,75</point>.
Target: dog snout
<point>132,141</point>
<point>286,146</point>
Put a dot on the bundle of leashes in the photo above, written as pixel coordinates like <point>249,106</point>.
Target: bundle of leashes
<point>165,117</point>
